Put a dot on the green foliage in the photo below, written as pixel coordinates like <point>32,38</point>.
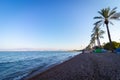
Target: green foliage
<point>115,45</point>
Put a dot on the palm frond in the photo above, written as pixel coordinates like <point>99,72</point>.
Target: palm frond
<point>115,16</point>
<point>111,23</point>
<point>92,35</point>
<point>113,11</point>
<point>98,22</point>
<point>101,32</point>
<point>101,37</point>
<point>98,17</point>
<point>101,12</point>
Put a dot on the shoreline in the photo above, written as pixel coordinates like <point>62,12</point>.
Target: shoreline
<point>87,66</point>
<point>37,71</point>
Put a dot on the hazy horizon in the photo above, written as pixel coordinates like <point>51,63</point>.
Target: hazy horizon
<point>51,24</point>
<point>36,49</point>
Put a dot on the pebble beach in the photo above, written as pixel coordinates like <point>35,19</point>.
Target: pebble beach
<point>85,66</point>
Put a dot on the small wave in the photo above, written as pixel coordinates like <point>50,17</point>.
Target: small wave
<point>15,68</point>
<point>21,74</point>
<point>34,59</point>
<point>35,70</point>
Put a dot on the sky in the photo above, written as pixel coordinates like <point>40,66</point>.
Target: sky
<point>52,24</point>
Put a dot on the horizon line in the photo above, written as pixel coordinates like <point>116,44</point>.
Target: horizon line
<point>31,49</point>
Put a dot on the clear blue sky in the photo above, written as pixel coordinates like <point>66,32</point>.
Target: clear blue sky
<point>51,24</point>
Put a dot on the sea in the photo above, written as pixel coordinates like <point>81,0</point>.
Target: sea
<point>14,65</point>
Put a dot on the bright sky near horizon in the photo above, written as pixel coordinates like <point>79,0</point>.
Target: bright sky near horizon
<point>51,24</point>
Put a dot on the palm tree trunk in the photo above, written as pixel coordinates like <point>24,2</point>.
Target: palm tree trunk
<point>98,40</point>
<point>111,46</point>
<point>95,43</point>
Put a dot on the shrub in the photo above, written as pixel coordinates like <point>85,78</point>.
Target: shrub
<point>114,45</point>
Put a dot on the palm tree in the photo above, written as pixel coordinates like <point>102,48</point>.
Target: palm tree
<point>106,15</point>
<point>90,45</point>
<point>93,38</point>
<point>97,33</point>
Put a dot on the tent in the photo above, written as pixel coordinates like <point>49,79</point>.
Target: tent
<point>98,50</point>
<point>117,50</point>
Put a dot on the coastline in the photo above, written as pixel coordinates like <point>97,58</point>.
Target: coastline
<point>87,66</point>
<point>38,70</point>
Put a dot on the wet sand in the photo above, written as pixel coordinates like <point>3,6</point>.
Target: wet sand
<point>87,66</point>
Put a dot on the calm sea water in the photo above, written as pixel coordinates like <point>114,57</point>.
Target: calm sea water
<point>15,65</point>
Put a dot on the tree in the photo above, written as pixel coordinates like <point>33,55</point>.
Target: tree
<point>115,45</point>
<point>106,15</point>
<point>92,41</point>
<point>91,44</point>
<point>97,34</point>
